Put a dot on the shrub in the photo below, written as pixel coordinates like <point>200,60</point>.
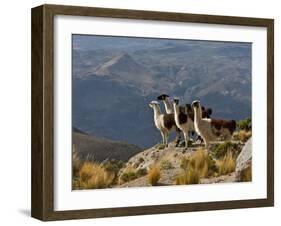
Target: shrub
<point>141,172</point>
<point>160,146</point>
<point>166,165</point>
<point>113,165</point>
<point>245,124</point>
<point>94,175</point>
<point>129,174</point>
<point>220,150</point>
<point>154,175</point>
<point>244,135</point>
<point>227,164</point>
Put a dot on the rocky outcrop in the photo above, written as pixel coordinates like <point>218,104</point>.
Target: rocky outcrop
<point>168,159</point>
<point>170,162</point>
<point>244,161</point>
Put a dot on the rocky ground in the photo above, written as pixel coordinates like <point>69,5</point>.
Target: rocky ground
<point>169,160</point>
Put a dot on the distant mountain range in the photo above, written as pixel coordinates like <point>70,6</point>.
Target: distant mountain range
<point>114,79</point>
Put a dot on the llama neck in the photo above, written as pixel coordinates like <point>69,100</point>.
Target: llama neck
<point>168,106</point>
<point>197,115</point>
<point>176,109</point>
<point>157,111</point>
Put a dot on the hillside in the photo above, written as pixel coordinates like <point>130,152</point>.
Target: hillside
<point>224,162</point>
<point>90,147</point>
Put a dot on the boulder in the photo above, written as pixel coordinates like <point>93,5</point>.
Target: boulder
<point>244,161</point>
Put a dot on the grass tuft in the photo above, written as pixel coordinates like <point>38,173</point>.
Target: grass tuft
<point>94,175</point>
<point>199,165</point>
<point>154,175</point>
<point>227,164</point>
<point>188,177</point>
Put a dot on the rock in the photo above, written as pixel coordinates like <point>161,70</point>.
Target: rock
<point>244,160</point>
<point>221,179</point>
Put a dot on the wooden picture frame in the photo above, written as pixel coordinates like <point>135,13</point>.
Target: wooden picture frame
<point>42,203</point>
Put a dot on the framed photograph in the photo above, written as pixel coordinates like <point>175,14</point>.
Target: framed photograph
<point>141,112</point>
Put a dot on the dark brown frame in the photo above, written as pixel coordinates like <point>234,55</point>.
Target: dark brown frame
<point>42,202</point>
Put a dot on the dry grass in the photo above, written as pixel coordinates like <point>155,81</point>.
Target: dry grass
<point>188,177</point>
<point>94,175</point>
<point>246,175</point>
<point>227,164</point>
<point>244,135</point>
<point>154,175</point>
<point>199,165</point>
<point>76,162</point>
<point>200,162</point>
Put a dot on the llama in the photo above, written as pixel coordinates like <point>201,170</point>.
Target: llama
<point>211,129</point>
<point>182,121</point>
<point>165,123</point>
<point>206,113</point>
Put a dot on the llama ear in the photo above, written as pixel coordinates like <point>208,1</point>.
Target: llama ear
<point>176,101</point>
<point>162,97</point>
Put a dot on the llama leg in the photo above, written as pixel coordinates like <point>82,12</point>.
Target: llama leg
<point>192,134</point>
<point>186,139</point>
<point>207,143</point>
<point>199,138</point>
<point>166,139</point>
<point>178,137</point>
<point>163,137</point>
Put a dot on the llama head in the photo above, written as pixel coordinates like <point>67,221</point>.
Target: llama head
<point>196,104</point>
<point>154,104</point>
<point>163,97</point>
<point>176,101</point>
